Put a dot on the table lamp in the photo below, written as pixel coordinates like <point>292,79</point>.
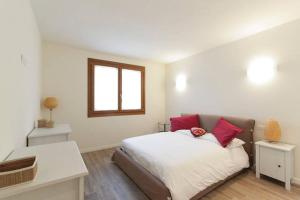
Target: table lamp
<point>272,131</point>
<point>50,103</point>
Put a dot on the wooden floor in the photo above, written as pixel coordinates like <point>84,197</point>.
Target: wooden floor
<point>107,182</point>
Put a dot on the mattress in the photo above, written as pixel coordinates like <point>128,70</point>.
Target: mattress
<point>185,164</point>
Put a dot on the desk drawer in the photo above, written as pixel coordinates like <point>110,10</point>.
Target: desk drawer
<point>47,139</point>
<point>272,163</point>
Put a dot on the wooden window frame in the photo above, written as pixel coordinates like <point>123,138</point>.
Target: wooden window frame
<point>91,69</point>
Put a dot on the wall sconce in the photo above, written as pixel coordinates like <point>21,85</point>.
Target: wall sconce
<point>261,70</point>
<point>180,82</point>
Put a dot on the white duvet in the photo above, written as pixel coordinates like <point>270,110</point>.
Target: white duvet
<point>186,165</point>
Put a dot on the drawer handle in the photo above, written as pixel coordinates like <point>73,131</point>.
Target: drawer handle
<point>279,166</point>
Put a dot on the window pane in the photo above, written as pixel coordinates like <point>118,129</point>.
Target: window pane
<point>131,89</point>
<point>106,88</point>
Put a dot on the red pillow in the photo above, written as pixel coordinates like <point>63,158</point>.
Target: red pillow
<point>225,131</point>
<point>197,131</point>
<point>184,122</point>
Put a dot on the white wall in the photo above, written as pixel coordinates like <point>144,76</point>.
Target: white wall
<point>19,82</point>
<point>65,76</point>
<point>217,83</point>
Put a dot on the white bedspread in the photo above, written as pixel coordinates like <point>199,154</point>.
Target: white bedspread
<point>185,164</point>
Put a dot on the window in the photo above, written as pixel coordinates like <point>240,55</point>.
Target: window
<point>115,88</point>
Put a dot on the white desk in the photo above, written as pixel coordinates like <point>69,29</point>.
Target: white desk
<point>59,133</point>
<point>60,174</point>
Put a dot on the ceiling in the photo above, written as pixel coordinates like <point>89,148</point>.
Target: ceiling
<point>158,30</point>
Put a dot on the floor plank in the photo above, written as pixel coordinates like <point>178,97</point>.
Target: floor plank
<point>107,182</point>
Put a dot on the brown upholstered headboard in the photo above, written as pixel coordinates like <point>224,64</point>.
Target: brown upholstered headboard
<point>209,121</point>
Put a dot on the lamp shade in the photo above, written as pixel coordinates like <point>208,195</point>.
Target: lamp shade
<point>272,131</point>
<point>50,103</point>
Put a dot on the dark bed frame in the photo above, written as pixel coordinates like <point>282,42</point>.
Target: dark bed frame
<point>154,188</point>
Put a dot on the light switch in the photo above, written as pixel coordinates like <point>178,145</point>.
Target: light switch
<point>23,60</point>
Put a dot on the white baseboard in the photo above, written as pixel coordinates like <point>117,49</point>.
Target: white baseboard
<point>97,148</point>
<point>296,181</point>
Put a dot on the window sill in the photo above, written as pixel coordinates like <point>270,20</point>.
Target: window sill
<point>116,113</point>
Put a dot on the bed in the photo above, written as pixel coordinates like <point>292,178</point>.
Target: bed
<point>150,172</point>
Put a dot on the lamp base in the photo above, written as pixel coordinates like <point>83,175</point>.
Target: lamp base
<point>273,142</point>
<point>50,124</point>
<point>272,137</point>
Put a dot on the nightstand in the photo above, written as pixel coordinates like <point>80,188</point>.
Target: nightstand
<point>163,127</point>
<point>59,133</point>
<point>276,160</point>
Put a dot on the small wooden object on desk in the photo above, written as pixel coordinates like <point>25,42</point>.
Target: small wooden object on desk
<point>42,123</point>
<point>59,133</point>
<point>17,171</point>
<point>276,160</point>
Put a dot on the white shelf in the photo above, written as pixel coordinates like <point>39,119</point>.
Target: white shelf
<point>58,129</point>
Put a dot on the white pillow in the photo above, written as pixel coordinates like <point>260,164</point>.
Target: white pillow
<point>233,144</point>
<point>184,131</point>
<point>210,137</point>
